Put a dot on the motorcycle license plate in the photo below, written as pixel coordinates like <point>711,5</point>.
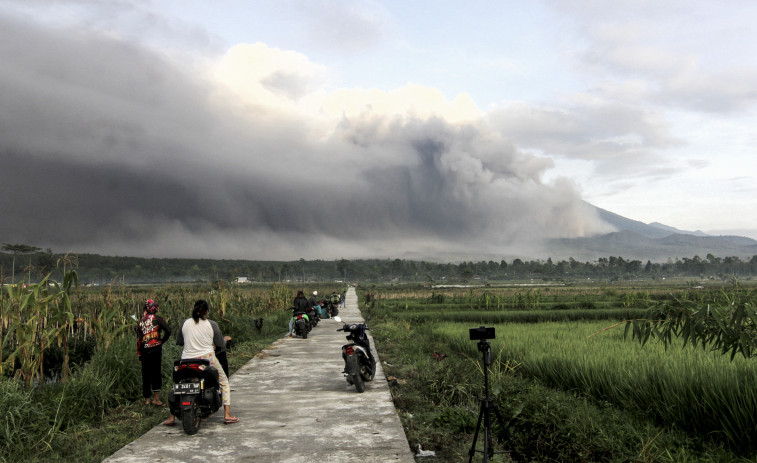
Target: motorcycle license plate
<point>186,388</point>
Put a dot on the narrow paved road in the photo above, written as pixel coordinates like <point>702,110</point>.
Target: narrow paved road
<point>294,405</point>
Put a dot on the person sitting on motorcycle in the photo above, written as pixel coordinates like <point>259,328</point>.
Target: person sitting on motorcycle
<point>300,305</point>
<point>199,336</point>
<point>313,301</point>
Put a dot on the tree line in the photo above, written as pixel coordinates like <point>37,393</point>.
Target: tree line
<point>30,264</point>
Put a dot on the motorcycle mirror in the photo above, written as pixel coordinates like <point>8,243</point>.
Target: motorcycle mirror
<point>337,319</point>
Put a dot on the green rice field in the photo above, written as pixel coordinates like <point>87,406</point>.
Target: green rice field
<point>592,391</point>
<point>699,391</point>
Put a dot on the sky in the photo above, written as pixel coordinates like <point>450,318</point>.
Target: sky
<point>327,129</point>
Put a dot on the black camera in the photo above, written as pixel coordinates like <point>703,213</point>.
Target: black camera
<point>482,333</point>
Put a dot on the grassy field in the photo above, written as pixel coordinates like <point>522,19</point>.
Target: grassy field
<point>571,386</point>
<point>70,387</point>
<point>569,389</point>
<point>701,392</point>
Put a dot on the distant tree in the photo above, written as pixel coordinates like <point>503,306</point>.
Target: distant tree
<point>17,249</point>
<point>46,262</point>
<point>342,266</point>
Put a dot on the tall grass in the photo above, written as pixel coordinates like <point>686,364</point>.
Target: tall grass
<point>701,392</point>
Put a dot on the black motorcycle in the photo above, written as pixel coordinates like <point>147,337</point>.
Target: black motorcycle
<point>330,309</point>
<point>359,364</point>
<point>313,316</point>
<point>196,393</point>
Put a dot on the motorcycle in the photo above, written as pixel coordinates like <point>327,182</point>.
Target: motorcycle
<point>330,309</point>
<point>302,325</point>
<point>196,393</point>
<point>359,364</point>
<point>314,318</point>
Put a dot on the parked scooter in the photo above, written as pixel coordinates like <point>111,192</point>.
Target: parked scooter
<point>359,364</point>
<point>302,324</point>
<point>313,317</point>
<point>196,393</point>
<point>330,309</point>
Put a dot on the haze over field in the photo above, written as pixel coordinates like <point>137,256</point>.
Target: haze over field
<point>329,129</point>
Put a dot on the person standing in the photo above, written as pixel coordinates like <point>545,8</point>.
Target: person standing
<point>199,337</point>
<point>150,351</point>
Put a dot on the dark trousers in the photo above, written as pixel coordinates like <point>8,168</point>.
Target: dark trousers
<point>221,356</point>
<point>152,376</point>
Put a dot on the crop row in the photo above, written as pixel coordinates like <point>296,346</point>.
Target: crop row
<point>516,316</point>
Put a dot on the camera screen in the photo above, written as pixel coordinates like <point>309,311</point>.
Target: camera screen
<point>482,332</point>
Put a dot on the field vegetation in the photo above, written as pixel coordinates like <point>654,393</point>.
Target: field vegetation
<point>580,373</point>
<point>572,382</point>
<point>70,387</point>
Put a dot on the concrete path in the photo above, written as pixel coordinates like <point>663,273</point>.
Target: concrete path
<point>294,405</point>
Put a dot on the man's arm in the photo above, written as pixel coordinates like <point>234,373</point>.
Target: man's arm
<point>218,339</point>
<point>180,335</point>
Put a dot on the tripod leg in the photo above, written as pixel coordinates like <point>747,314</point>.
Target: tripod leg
<point>475,435</point>
<point>501,422</point>
<point>488,444</point>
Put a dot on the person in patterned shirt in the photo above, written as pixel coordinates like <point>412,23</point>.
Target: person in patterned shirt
<point>152,333</point>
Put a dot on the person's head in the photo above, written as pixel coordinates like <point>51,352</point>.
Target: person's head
<point>300,293</point>
<point>200,310</point>
<point>151,307</point>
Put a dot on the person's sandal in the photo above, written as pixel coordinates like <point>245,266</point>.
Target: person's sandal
<point>231,420</point>
<point>169,423</point>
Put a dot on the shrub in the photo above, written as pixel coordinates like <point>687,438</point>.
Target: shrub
<point>22,418</point>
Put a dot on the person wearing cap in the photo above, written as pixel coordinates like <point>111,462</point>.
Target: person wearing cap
<point>313,301</point>
<point>152,333</point>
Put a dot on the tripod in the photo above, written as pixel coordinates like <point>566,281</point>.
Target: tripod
<point>484,415</point>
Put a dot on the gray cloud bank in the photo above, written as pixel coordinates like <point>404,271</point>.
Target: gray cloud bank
<point>109,147</point>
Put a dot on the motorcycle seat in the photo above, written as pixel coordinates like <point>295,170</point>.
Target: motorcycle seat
<point>190,361</point>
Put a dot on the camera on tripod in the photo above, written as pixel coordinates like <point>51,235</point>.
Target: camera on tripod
<point>482,333</point>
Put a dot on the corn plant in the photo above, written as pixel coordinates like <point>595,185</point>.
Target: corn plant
<point>39,315</point>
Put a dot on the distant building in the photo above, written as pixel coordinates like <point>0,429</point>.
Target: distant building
<point>241,280</point>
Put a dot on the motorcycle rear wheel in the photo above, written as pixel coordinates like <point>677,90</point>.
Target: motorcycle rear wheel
<point>368,374</point>
<point>190,419</point>
<point>359,384</point>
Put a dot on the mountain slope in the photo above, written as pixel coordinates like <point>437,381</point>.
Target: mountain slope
<point>656,242</point>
